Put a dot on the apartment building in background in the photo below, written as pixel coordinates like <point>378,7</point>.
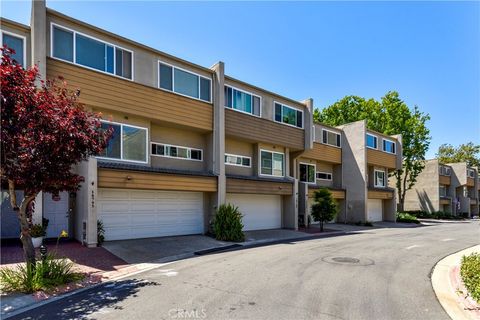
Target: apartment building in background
<point>452,188</point>
<point>188,138</point>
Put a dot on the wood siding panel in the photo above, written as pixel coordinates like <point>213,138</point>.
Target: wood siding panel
<point>470,182</point>
<point>323,152</point>
<point>108,92</point>
<point>257,129</point>
<point>445,201</point>
<point>445,180</point>
<point>108,178</point>
<point>377,194</point>
<point>381,159</point>
<point>336,194</point>
<point>258,187</point>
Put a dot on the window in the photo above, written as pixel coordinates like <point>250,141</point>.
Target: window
<point>443,191</point>
<point>127,143</point>
<point>324,176</point>
<point>444,171</point>
<point>470,173</point>
<point>171,151</point>
<point>379,179</point>
<point>17,43</point>
<point>272,163</point>
<point>242,101</point>
<point>331,138</point>
<point>371,141</point>
<point>184,82</point>
<point>288,115</point>
<point>307,173</point>
<point>92,53</point>
<point>388,146</point>
<point>235,160</point>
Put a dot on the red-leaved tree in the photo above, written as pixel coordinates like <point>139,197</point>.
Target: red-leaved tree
<point>45,131</point>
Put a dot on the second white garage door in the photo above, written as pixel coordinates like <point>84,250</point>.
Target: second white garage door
<point>131,214</point>
<point>259,211</point>
<point>375,210</point>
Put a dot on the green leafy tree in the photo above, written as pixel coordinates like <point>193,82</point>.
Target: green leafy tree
<point>390,116</point>
<point>469,153</point>
<point>324,208</point>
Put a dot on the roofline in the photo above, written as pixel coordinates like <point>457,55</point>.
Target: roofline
<point>264,90</point>
<point>14,23</point>
<point>131,42</point>
<point>326,125</point>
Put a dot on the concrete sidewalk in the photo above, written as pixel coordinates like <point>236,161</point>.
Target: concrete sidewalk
<point>446,284</point>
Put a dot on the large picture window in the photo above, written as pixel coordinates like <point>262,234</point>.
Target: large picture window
<point>288,115</point>
<point>128,143</point>
<point>271,163</point>
<point>17,43</point>
<point>307,173</point>
<point>89,52</point>
<point>184,82</point>
<point>242,101</point>
<point>331,138</point>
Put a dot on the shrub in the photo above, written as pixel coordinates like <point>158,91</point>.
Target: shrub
<point>227,224</point>
<point>406,217</point>
<point>37,230</point>
<point>50,273</point>
<point>470,273</point>
<point>100,232</point>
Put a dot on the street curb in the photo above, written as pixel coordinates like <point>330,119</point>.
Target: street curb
<point>442,287</point>
<point>171,259</point>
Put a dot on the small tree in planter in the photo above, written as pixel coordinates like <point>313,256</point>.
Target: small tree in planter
<point>45,131</point>
<point>324,208</point>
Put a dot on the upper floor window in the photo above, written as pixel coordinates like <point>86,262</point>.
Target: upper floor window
<point>470,173</point>
<point>127,143</point>
<point>236,160</point>
<point>324,176</point>
<point>388,146</point>
<point>444,171</point>
<point>170,151</point>
<point>184,82</point>
<point>307,173</point>
<point>443,190</point>
<point>272,163</point>
<point>242,101</point>
<point>379,180</point>
<point>288,115</point>
<point>90,52</point>
<point>17,43</point>
<point>331,138</point>
<point>372,141</point>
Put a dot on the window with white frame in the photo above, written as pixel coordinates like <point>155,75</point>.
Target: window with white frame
<point>444,171</point>
<point>237,160</point>
<point>243,101</point>
<point>372,141</point>
<point>471,173</point>
<point>128,143</point>
<point>184,82</point>
<point>443,190</point>
<point>331,138</point>
<point>324,176</point>
<point>178,152</point>
<point>272,163</point>
<point>307,173</point>
<point>17,44</point>
<point>379,179</point>
<point>70,45</point>
<point>388,146</point>
<point>288,115</point>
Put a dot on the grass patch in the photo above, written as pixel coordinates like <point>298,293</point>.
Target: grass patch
<point>47,274</point>
<point>406,218</point>
<point>470,273</point>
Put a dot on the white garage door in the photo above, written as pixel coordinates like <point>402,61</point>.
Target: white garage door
<point>131,214</point>
<point>375,210</point>
<point>259,211</point>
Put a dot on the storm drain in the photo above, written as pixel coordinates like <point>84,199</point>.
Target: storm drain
<point>348,261</point>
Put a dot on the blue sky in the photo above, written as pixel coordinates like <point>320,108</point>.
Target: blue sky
<point>428,51</point>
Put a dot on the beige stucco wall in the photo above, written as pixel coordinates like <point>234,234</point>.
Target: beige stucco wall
<point>425,195</point>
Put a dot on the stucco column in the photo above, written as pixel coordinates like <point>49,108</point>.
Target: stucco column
<point>308,125</point>
<point>38,33</point>
<point>218,149</point>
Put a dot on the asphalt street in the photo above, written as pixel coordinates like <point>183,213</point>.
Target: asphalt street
<point>376,274</point>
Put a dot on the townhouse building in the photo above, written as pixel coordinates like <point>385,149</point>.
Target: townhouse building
<point>188,138</point>
<point>451,188</point>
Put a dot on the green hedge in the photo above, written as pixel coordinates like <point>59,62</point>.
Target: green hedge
<point>437,215</point>
<point>470,273</point>
<point>406,217</point>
